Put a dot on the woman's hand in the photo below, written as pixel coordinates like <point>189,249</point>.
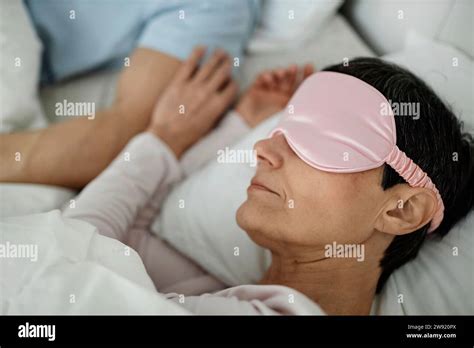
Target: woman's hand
<point>270,93</point>
<point>194,100</point>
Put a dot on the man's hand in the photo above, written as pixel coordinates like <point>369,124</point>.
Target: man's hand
<point>194,100</point>
<point>270,93</point>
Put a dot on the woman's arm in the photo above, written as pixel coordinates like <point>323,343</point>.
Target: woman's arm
<point>112,201</point>
<point>148,164</point>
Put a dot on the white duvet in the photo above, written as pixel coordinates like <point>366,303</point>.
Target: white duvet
<point>52,265</point>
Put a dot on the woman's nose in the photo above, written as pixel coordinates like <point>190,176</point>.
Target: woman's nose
<point>269,151</point>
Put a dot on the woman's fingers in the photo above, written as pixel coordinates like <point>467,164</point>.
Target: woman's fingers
<point>209,68</point>
<point>221,75</point>
<point>188,67</point>
<point>227,94</point>
<point>220,101</point>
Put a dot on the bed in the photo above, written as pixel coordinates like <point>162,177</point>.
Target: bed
<point>88,263</point>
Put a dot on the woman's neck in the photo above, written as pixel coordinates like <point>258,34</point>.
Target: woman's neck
<point>339,285</point>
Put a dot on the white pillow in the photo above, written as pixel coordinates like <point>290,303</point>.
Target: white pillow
<point>289,23</point>
<point>205,228</point>
<point>447,70</point>
<point>20,57</point>
<point>440,280</point>
<point>437,282</point>
<point>384,24</point>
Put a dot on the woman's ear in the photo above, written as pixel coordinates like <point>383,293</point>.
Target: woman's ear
<point>407,210</point>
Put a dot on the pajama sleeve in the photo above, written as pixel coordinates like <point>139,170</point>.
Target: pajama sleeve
<point>250,300</point>
<point>144,170</point>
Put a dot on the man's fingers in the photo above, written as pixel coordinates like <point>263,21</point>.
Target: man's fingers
<point>280,73</point>
<point>285,79</point>
<point>303,73</point>
<point>264,80</point>
<point>208,69</point>
<point>308,70</point>
<point>189,65</point>
<point>259,83</point>
<point>288,84</point>
<point>269,79</point>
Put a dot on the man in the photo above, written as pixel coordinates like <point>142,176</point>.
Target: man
<point>147,40</point>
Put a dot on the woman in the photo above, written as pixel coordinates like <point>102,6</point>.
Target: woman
<point>293,208</point>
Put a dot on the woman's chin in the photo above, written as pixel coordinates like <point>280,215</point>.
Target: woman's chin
<point>247,216</point>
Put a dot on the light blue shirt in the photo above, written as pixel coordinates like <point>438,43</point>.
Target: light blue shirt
<point>81,35</point>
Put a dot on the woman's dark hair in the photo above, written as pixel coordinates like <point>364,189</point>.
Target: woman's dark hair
<point>434,140</point>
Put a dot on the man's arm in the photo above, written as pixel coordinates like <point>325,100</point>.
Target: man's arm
<point>74,152</point>
<point>112,201</point>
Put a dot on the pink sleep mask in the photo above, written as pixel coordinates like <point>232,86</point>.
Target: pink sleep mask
<point>338,123</point>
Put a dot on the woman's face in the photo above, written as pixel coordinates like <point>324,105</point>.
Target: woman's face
<point>290,203</point>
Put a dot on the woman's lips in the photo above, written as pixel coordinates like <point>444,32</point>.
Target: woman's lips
<point>257,185</point>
